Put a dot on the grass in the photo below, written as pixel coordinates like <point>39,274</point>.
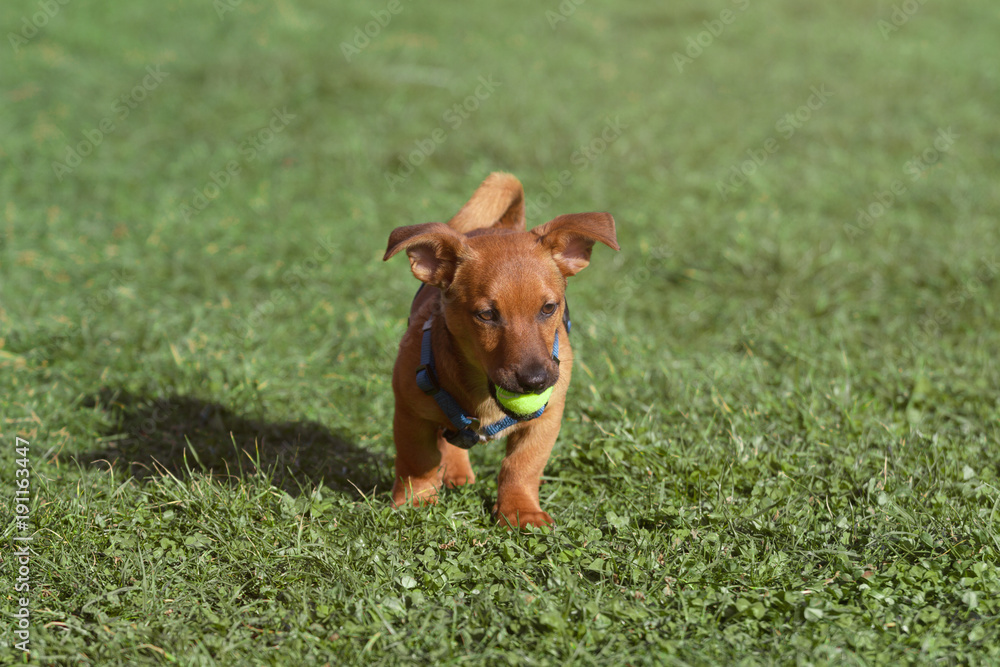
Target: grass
<point>781,442</point>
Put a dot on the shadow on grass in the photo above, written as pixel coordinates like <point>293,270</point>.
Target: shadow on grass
<point>150,436</point>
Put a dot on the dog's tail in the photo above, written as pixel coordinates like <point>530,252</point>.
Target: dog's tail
<point>497,202</point>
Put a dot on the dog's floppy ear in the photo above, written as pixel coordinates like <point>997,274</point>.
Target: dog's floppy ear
<point>497,202</point>
<point>571,238</point>
<point>434,249</point>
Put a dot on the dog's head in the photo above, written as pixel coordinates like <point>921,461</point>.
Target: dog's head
<point>503,289</point>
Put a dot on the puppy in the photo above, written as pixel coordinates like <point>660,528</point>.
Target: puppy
<point>491,315</point>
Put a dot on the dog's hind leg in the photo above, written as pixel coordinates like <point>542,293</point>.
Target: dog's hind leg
<point>418,461</point>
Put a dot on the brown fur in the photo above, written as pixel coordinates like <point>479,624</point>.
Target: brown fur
<point>485,260</point>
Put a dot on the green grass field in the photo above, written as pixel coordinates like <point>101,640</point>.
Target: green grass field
<point>781,444</point>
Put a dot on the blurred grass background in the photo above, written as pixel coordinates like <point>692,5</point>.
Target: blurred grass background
<point>756,338</point>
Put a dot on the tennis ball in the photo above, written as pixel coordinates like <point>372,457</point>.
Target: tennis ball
<point>523,404</point>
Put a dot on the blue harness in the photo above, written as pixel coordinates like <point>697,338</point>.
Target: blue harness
<point>463,434</point>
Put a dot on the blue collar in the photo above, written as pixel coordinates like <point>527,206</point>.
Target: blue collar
<point>463,434</point>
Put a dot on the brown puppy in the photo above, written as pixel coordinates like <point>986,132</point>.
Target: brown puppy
<point>493,306</point>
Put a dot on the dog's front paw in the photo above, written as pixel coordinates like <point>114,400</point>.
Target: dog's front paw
<point>522,518</point>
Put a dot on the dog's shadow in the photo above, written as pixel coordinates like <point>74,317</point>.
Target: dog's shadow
<point>150,436</point>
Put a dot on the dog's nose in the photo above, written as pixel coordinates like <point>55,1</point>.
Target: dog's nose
<point>534,378</point>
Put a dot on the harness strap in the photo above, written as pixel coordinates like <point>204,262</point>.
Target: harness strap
<point>464,433</point>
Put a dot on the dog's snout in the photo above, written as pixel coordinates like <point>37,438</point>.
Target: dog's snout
<point>534,378</point>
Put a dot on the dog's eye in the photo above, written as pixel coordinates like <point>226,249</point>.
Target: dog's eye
<point>487,315</point>
<point>549,308</point>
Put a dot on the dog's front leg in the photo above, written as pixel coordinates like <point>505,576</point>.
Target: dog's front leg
<point>528,451</point>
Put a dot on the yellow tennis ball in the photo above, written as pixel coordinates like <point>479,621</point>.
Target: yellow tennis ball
<point>524,404</point>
